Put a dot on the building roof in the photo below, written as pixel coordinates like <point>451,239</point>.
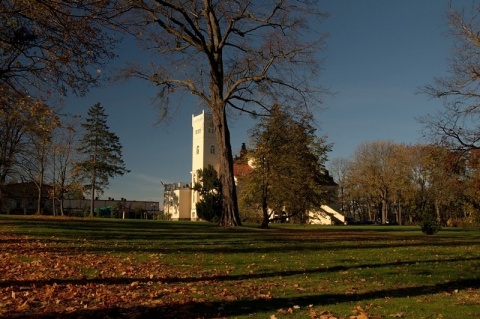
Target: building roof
<point>241,170</point>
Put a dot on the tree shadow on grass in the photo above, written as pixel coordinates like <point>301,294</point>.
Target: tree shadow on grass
<point>241,307</point>
<point>216,278</point>
<point>173,237</point>
<point>211,245</point>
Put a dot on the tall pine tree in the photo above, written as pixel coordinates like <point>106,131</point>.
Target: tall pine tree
<point>102,153</point>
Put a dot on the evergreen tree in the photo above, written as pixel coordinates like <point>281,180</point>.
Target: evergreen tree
<point>289,173</point>
<point>209,207</point>
<point>102,153</point>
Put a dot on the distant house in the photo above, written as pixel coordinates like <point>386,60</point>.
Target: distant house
<point>22,198</point>
<point>177,201</point>
<point>241,170</point>
<point>121,208</point>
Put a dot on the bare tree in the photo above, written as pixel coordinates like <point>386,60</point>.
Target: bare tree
<point>64,154</point>
<point>338,168</point>
<point>232,55</point>
<point>456,125</point>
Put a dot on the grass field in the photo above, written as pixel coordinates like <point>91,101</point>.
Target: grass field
<point>102,268</point>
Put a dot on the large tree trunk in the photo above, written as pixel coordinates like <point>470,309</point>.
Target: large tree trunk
<point>384,211</point>
<point>438,215</point>
<point>62,208</point>
<point>92,193</point>
<point>39,200</point>
<point>230,216</point>
<point>399,216</point>
<point>266,215</point>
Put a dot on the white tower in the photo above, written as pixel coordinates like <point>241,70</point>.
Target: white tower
<point>204,151</point>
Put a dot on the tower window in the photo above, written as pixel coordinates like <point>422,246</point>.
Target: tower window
<point>198,149</point>
<point>212,149</point>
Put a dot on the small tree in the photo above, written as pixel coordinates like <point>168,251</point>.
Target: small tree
<point>430,225</point>
<point>102,153</point>
<point>209,207</point>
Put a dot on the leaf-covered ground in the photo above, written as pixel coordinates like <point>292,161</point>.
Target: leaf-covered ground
<point>109,269</point>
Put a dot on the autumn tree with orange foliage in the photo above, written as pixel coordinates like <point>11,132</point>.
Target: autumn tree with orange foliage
<point>409,183</point>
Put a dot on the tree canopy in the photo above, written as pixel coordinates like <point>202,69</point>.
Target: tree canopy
<point>48,47</point>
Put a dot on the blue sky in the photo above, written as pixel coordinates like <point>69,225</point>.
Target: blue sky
<point>379,53</point>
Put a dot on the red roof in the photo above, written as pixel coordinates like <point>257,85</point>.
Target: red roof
<point>241,170</point>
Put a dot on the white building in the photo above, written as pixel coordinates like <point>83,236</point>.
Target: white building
<point>204,152</point>
<point>176,201</point>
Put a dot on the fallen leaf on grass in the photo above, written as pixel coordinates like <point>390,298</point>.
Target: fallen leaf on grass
<point>322,315</point>
<point>397,315</point>
<point>360,313</point>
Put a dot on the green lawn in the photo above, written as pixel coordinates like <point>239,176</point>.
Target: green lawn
<point>102,268</point>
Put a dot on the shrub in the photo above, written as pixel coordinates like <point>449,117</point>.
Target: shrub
<point>430,227</point>
<point>209,208</point>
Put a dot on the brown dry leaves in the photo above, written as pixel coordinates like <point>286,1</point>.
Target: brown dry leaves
<point>364,313</point>
<point>44,278</point>
<point>358,311</point>
<point>36,279</point>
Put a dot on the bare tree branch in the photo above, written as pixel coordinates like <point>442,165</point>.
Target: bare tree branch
<point>456,125</point>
